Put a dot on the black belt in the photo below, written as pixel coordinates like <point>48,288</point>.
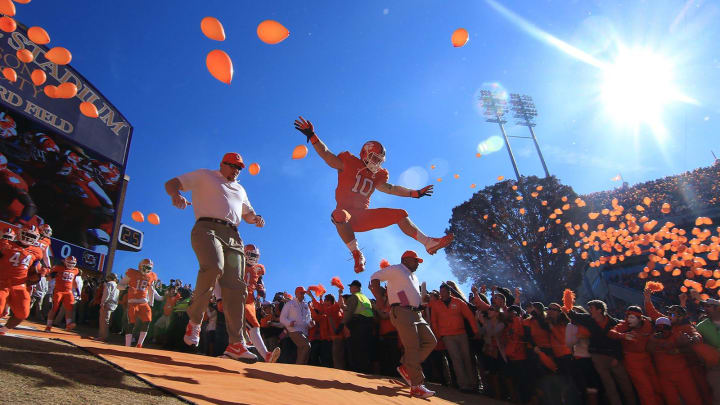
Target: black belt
<point>217,221</point>
<point>420,308</point>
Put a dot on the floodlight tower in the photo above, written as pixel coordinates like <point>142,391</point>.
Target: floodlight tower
<point>524,111</point>
<point>495,108</point>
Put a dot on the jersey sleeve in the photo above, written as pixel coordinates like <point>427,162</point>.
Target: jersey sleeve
<point>345,156</point>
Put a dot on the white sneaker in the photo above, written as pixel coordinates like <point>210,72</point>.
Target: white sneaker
<point>192,334</point>
<point>238,351</point>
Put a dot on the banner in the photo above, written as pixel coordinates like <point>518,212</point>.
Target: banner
<point>56,163</point>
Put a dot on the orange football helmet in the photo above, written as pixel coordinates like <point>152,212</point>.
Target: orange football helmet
<point>373,155</point>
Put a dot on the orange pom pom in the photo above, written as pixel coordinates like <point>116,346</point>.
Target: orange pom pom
<point>568,299</point>
<point>337,283</point>
<point>654,286</point>
<point>384,263</point>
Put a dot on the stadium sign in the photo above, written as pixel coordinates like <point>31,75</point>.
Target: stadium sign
<point>108,135</point>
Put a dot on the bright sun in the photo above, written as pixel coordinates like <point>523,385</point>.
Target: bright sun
<point>637,86</point>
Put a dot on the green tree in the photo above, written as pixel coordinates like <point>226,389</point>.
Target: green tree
<point>499,237</point>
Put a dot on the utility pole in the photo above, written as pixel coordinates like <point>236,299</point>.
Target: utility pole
<point>495,108</point>
<point>524,111</point>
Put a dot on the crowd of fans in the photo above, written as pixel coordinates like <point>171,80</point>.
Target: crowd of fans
<point>490,342</point>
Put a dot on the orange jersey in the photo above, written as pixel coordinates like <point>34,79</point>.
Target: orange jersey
<point>15,260</point>
<point>64,278</point>
<point>44,243</point>
<point>356,183</point>
<point>139,286</point>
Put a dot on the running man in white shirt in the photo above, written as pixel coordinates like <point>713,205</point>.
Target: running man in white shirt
<point>220,204</point>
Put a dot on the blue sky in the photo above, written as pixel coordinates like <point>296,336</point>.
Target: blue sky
<point>376,70</point>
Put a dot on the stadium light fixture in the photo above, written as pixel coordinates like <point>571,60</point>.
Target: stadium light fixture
<point>494,109</point>
<point>525,112</point>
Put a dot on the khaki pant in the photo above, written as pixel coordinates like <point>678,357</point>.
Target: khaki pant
<point>219,251</point>
<point>104,321</point>
<point>417,339</point>
<point>303,347</point>
<point>612,376</point>
<point>459,350</point>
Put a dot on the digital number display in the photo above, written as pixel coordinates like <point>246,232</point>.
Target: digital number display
<point>130,238</point>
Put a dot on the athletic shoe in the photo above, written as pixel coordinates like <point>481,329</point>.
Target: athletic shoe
<point>4,330</point>
<point>48,329</point>
<point>273,356</point>
<point>238,351</point>
<point>139,346</point>
<point>359,261</point>
<point>404,374</point>
<point>419,391</point>
<point>436,244</point>
<point>70,326</point>
<point>192,334</point>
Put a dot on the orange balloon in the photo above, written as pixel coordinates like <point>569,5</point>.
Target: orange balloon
<point>272,32</point>
<point>59,55</point>
<point>7,7</point>
<point>459,37</point>
<point>299,152</point>
<point>254,169</point>
<point>66,90</point>
<point>88,109</point>
<point>472,185</point>
<point>38,77</point>
<point>138,216</point>
<point>478,155</point>
<point>501,178</point>
<point>457,176</point>
<point>10,74</point>
<point>220,65</point>
<point>7,24</point>
<point>50,91</point>
<point>38,35</point>
<point>212,28</point>
<point>432,167</point>
<point>153,219</point>
<point>24,55</point>
<point>439,179</point>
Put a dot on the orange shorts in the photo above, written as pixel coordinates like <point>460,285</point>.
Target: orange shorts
<point>18,298</point>
<point>139,310</point>
<point>362,220</point>
<point>66,298</point>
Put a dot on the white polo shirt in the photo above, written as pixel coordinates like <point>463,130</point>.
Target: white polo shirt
<point>402,286</point>
<point>215,197</point>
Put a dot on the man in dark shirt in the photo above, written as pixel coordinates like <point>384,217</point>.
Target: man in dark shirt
<point>605,352</point>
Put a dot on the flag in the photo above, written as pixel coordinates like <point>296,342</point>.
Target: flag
<point>617,178</point>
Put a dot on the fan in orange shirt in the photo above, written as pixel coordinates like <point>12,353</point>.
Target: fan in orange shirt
<point>141,291</point>
<point>16,258</point>
<point>63,293</point>
<point>357,180</point>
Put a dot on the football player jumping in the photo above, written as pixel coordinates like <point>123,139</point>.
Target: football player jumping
<point>357,180</point>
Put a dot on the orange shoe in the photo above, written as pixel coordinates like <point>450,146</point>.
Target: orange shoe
<point>238,351</point>
<point>359,261</point>
<point>70,326</point>
<point>273,356</point>
<point>436,244</point>
<point>404,374</point>
<point>48,329</point>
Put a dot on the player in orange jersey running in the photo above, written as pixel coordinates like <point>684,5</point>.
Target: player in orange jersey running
<point>63,293</point>
<point>358,178</point>
<point>16,258</point>
<point>141,291</point>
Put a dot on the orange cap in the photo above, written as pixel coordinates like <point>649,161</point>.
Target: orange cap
<point>234,159</point>
<point>411,253</point>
